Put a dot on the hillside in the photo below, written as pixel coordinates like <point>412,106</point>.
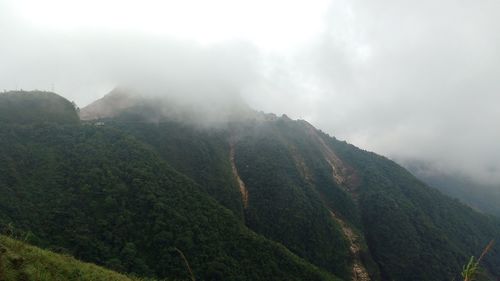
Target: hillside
<point>257,197</point>
<point>20,261</point>
<point>104,197</point>
<point>343,209</point>
<point>21,107</point>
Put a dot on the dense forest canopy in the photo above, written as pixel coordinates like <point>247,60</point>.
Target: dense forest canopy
<point>257,198</point>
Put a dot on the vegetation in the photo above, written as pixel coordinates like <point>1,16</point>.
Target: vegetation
<point>19,261</point>
<point>286,208</point>
<point>471,271</point>
<point>203,155</point>
<point>410,226</point>
<point>103,197</point>
<point>403,224</point>
<point>36,107</point>
<point>144,197</point>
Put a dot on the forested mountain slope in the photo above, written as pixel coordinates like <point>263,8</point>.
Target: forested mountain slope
<point>104,197</point>
<point>335,205</point>
<point>252,197</point>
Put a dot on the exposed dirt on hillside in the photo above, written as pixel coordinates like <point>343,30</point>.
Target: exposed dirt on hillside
<point>241,184</point>
<point>301,164</point>
<point>359,272</point>
<point>344,175</point>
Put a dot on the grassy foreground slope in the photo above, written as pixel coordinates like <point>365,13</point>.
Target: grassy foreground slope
<point>20,261</point>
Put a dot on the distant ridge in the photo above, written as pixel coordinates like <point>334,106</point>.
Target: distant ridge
<point>23,107</point>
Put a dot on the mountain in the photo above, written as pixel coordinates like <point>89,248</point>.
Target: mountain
<point>245,196</point>
<point>116,101</point>
<point>104,197</point>
<point>307,191</point>
<point>20,261</point>
<point>197,111</point>
<point>21,107</point>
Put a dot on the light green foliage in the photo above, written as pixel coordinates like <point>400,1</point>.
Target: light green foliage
<point>470,269</point>
<point>19,261</point>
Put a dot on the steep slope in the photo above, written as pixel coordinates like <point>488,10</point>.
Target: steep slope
<point>283,202</point>
<point>346,210</point>
<point>198,153</point>
<point>278,214</point>
<point>108,106</point>
<point>20,261</point>
<point>36,107</point>
<point>409,226</point>
<point>103,196</point>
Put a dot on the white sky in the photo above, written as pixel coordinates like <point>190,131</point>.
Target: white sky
<point>272,25</point>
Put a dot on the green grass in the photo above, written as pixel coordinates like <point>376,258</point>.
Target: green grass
<point>19,261</point>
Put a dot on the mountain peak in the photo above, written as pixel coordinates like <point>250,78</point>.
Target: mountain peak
<point>155,107</point>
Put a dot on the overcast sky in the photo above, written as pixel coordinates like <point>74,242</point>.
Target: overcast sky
<point>406,79</point>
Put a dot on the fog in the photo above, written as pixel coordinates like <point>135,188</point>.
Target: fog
<point>412,80</point>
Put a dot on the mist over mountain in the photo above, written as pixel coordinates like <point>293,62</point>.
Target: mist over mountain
<point>414,81</point>
<point>153,107</point>
<point>261,186</point>
<point>250,140</point>
<point>477,194</point>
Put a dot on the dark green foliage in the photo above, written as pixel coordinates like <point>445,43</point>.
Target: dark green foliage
<point>201,154</point>
<point>36,107</point>
<point>106,194</point>
<point>106,198</point>
<point>285,207</point>
<point>411,227</point>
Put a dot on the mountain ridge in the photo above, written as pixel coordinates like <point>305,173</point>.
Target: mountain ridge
<point>316,207</point>
<point>288,165</point>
